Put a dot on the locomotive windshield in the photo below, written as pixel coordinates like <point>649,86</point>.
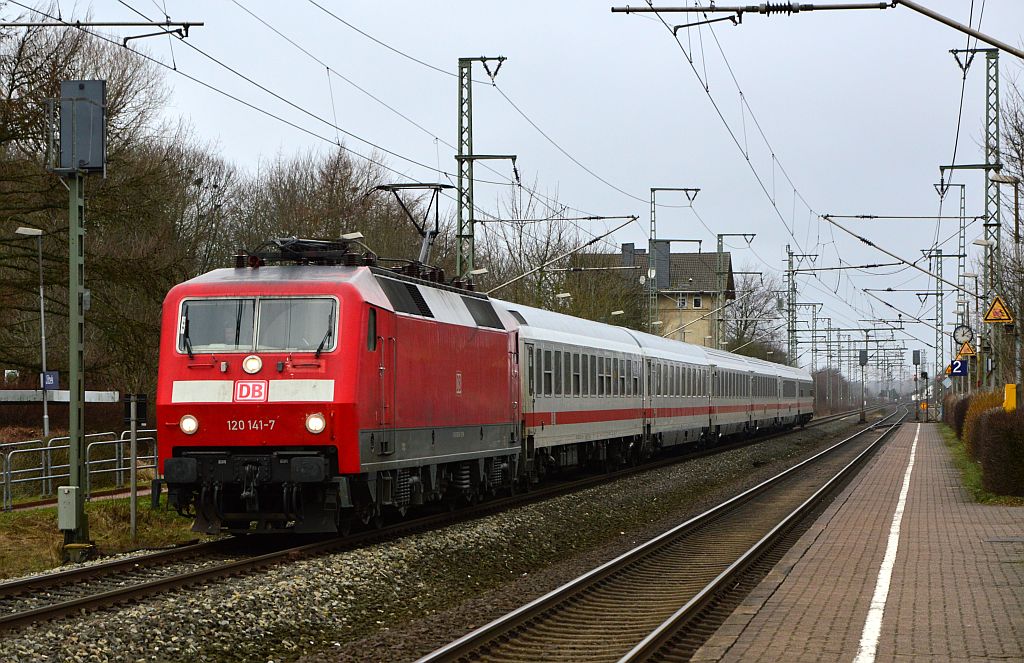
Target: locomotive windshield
<point>258,324</point>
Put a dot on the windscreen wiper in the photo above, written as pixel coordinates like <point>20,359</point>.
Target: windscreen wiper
<point>185,337</point>
<point>330,332</point>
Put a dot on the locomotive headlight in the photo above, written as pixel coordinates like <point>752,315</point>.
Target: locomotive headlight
<point>315,423</point>
<point>188,424</point>
<point>252,364</point>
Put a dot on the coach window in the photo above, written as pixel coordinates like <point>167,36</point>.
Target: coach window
<point>585,375</point>
<point>636,378</point>
<point>629,377</point>
<point>567,374</point>
<point>529,370</point>
<point>575,374</point>
<point>547,373</point>
<point>558,372</point>
<point>540,372</point>
<point>608,375</point>
<point>371,330</point>
<point>621,383</point>
<point>594,387</point>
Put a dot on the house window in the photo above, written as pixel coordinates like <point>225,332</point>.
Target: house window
<point>696,302</point>
<point>681,301</point>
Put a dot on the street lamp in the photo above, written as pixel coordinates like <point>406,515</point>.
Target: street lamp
<point>38,234</point>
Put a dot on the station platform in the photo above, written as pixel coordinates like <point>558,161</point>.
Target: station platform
<point>896,569</point>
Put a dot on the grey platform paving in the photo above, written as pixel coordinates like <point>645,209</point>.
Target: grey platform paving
<point>957,585</point>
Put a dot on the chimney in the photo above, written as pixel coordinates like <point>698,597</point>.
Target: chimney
<point>628,255</point>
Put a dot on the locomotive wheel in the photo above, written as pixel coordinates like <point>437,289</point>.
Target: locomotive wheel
<point>370,516</point>
<point>344,522</point>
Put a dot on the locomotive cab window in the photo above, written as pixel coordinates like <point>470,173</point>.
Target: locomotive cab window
<point>296,324</point>
<point>303,325</point>
<point>371,330</point>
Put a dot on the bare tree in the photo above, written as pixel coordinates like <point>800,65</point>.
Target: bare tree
<point>753,321</point>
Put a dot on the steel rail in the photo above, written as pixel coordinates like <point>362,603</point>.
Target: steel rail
<point>469,645</point>
<point>35,583</point>
<point>26,586</point>
<point>663,634</point>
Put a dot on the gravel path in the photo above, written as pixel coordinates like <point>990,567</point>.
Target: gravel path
<point>398,600</point>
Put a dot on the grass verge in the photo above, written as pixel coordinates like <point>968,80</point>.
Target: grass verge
<point>30,540</point>
<point>970,473</point>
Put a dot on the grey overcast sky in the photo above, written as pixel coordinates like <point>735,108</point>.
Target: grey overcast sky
<point>857,109</point>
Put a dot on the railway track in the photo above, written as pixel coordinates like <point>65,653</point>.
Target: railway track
<point>660,600</point>
<point>91,587</point>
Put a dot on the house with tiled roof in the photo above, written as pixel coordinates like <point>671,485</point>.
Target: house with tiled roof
<point>687,288</point>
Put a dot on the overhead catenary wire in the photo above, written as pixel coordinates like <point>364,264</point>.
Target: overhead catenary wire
<point>547,201</point>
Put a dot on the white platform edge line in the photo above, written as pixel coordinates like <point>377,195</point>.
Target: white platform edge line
<point>873,623</point>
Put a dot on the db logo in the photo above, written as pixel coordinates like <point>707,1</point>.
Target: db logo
<point>251,391</point>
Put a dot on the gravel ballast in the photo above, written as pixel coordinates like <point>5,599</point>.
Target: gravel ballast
<point>398,600</point>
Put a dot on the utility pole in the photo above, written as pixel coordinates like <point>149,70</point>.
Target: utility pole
<point>83,149</point>
<point>721,283</point>
<point>791,309</point>
<point>999,178</point>
<point>863,366</point>
<point>465,246</point>
<point>992,163</point>
<point>940,341</point>
<point>828,363</point>
<point>652,269</point>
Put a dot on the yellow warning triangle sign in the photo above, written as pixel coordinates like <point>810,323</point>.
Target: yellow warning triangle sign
<point>965,351</point>
<point>998,312</point>
<point>949,369</point>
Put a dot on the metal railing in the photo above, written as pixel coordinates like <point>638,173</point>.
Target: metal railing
<point>107,463</point>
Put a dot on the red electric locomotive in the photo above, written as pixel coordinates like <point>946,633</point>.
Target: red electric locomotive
<point>304,396</point>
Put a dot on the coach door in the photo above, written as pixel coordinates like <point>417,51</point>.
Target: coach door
<point>514,389</point>
<point>387,358</point>
<point>649,392</point>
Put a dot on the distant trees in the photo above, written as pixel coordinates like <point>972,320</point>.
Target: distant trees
<point>532,235</point>
<point>754,326</point>
<point>169,209</point>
